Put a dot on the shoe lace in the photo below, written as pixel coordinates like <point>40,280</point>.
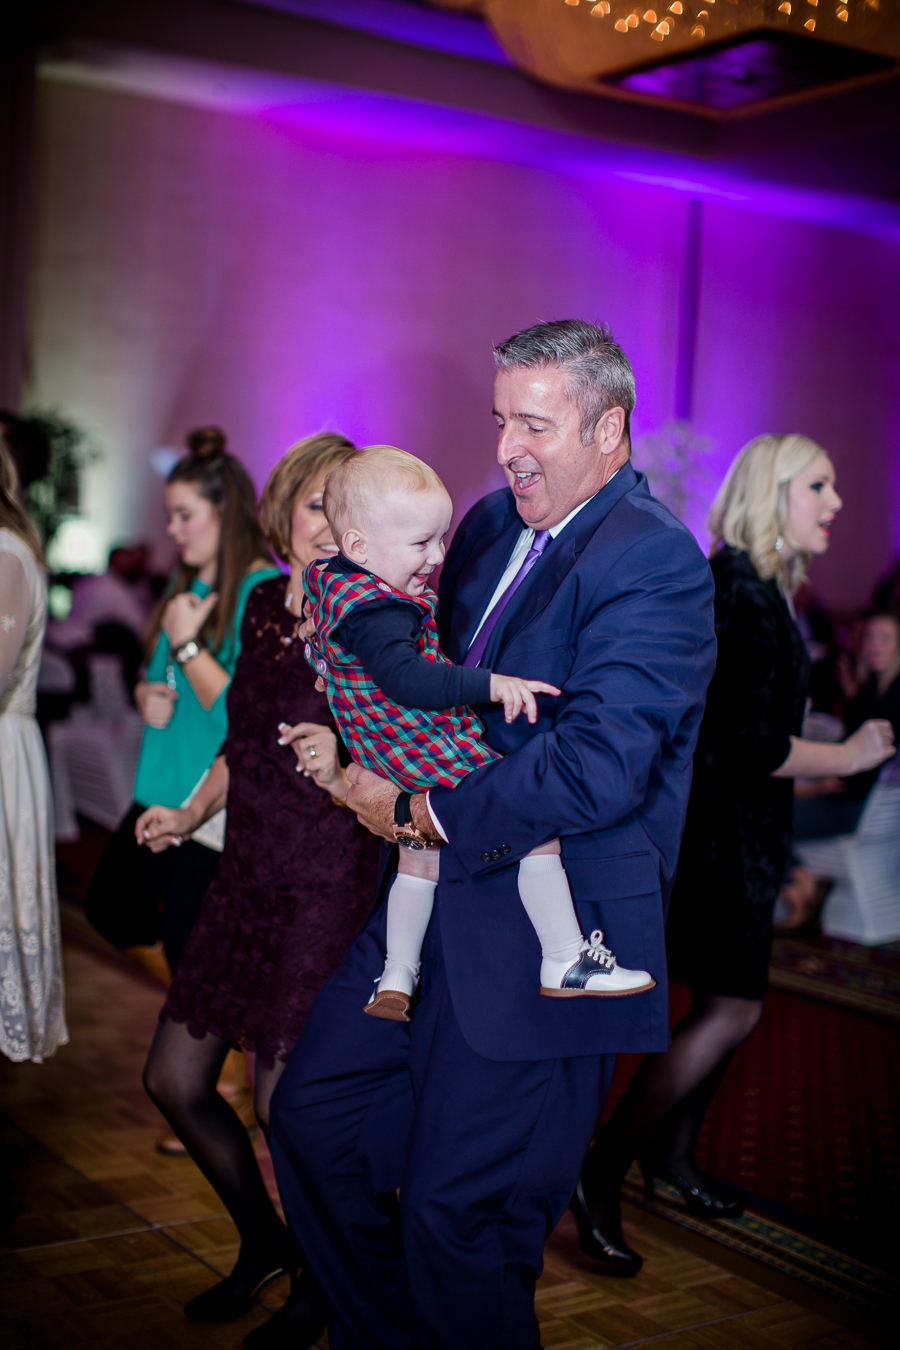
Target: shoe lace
<point>601,954</point>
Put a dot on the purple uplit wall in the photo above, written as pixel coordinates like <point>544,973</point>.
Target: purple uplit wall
<point>798,332</point>
<point>197,266</point>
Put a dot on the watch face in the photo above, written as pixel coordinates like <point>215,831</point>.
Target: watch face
<point>408,841</point>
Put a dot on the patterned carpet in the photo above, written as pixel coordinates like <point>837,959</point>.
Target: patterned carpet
<point>782,1248</point>
<point>806,1127</point>
<point>865,978</point>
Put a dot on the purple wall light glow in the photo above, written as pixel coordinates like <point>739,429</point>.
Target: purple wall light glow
<point>348,261</point>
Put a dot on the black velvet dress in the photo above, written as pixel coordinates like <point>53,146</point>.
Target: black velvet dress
<point>738,826</point>
<point>297,876</point>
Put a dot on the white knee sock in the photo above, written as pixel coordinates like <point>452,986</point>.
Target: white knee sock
<point>545,895</point>
<point>409,909</point>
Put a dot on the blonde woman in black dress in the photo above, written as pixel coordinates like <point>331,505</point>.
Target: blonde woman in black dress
<point>772,515</point>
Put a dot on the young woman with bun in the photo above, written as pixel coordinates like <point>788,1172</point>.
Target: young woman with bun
<point>32,1013</point>
<point>135,900</point>
<point>296,881</point>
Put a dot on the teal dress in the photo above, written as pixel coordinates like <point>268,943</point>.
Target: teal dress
<point>173,760</point>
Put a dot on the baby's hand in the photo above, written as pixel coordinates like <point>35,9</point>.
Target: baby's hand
<point>518,695</point>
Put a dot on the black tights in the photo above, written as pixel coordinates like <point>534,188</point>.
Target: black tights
<point>180,1076</point>
<point>668,1098</point>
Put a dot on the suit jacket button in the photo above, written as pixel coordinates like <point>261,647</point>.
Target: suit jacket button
<point>487,857</point>
<point>503,850</point>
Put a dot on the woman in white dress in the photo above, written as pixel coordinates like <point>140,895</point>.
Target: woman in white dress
<point>32,1011</point>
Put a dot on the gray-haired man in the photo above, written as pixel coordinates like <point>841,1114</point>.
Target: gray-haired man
<point>480,1111</point>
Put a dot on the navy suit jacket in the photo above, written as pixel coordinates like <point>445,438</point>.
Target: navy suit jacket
<point>618,614</point>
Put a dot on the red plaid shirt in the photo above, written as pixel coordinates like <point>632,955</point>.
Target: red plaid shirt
<point>416,748</point>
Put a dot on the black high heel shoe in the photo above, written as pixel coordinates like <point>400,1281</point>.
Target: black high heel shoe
<point>234,1296</point>
<point>702,1202</point>
<point>299,1324</point>
<point>614,1258</point>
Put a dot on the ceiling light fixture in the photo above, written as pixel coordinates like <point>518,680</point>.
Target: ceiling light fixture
<point>721,56</point>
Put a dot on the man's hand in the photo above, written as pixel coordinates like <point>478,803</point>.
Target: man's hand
<point>372,798</point>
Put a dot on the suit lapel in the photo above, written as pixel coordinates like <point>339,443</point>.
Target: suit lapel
<point>543,582</point>
<point>477,580</point>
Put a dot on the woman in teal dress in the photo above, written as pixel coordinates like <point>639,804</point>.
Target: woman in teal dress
<point>146,904</point>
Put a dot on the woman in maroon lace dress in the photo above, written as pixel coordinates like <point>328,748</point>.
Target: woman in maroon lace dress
<point>295,882</point>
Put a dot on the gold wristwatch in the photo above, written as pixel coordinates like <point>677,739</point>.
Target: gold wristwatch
<point>405,832</point>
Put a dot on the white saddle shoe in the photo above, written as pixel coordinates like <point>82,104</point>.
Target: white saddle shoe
<point>596,974</point>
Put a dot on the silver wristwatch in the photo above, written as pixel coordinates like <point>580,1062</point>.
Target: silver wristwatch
<point>188,652</point>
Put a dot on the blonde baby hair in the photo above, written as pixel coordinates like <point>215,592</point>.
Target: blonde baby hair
<point>366,477</point>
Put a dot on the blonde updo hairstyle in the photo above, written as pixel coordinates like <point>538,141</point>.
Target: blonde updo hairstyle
<point>296,474</point>
<point>751,507</point>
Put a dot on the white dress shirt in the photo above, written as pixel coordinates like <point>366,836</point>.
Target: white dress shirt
<point>518,556</point>
<point>523,544</point>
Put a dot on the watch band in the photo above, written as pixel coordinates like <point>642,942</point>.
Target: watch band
<point>405,832</point>
<point>402,812</point>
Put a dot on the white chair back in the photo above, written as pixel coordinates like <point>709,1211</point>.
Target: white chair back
<point>881,816</point>
<point>864,903</point>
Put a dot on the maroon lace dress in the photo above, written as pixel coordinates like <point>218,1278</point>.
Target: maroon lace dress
<point>297,875</point>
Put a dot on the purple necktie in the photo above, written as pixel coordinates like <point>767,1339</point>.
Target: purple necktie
<point>476,651</point>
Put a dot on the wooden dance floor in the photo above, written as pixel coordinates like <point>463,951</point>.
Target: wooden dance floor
<point>103,1240</point>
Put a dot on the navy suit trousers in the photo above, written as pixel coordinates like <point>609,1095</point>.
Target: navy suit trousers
<point>485,1154</point>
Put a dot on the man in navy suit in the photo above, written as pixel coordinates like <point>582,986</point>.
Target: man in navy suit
<point>480,1111</point>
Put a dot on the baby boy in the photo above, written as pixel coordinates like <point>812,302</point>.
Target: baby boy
<point>401,707</point>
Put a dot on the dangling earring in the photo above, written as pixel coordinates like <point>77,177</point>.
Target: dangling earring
<point>779,544</point>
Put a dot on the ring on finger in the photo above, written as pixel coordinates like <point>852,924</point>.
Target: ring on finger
<point>311,752</point>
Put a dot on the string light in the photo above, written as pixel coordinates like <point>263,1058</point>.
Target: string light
<point>698,24</point>
<point>541,38</point>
